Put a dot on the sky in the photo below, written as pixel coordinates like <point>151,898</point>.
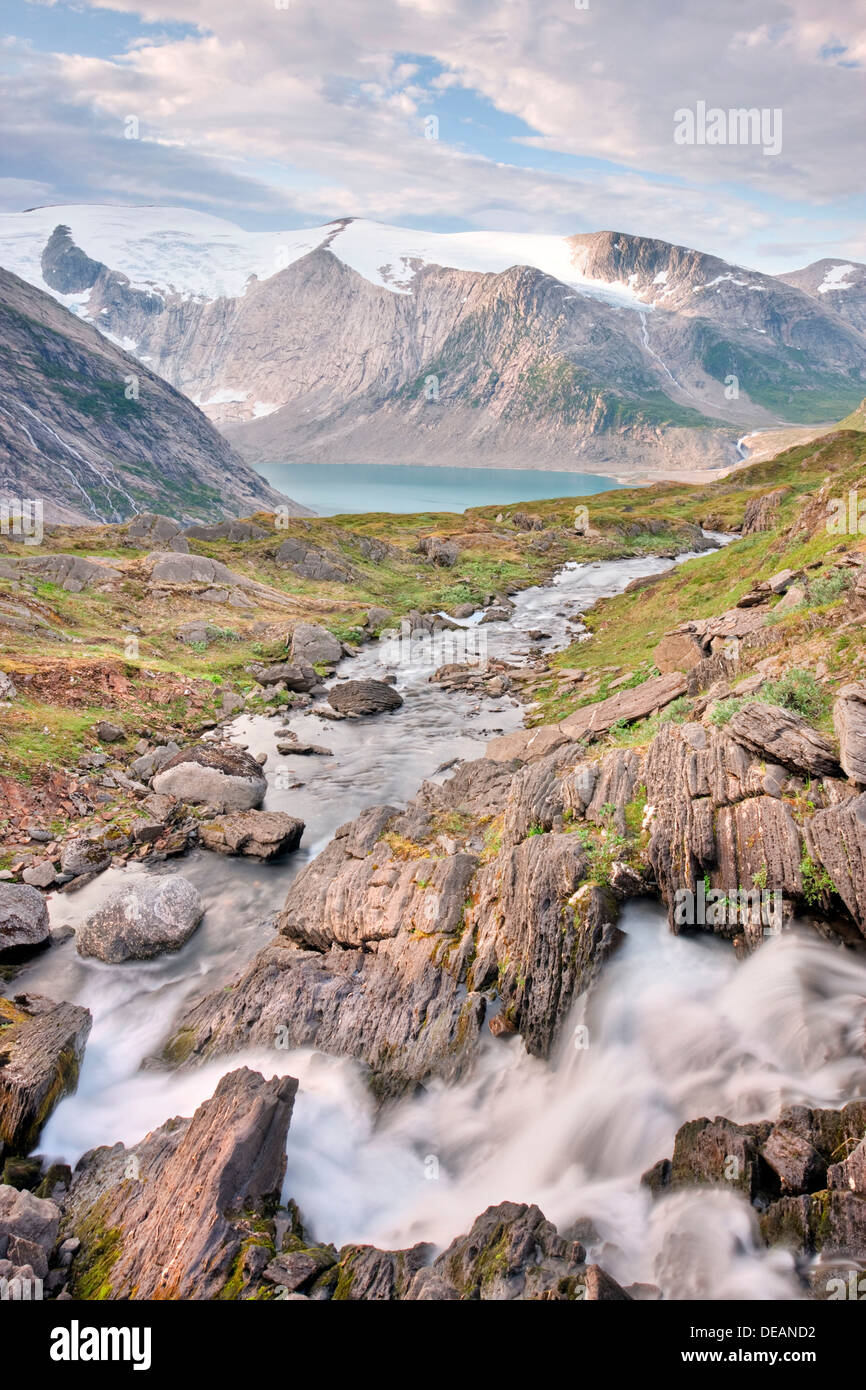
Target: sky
<point>554,116</point>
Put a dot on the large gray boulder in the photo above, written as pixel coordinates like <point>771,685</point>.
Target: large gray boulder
<point>142,919</point>
<point>170,568</point>
<point>23,917</point>
<point>314,645</point>
<point>363,697</point>
<point>207,774</point>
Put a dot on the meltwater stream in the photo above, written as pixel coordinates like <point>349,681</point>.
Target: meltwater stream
<point>676,1029</point>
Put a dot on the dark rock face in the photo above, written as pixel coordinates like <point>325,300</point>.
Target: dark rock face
<point>64,265</point>
<point>806,1174</point>
<point>148,1231</point>
<point>142,919</point>
<point>363,697</point>
<point>23,917</point>
<point>40,1051</point>
<point>256,834</point>
<point>785,738</point>
<point>223,777</point>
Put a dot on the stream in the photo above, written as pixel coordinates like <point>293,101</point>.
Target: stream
<point>677,1028</point>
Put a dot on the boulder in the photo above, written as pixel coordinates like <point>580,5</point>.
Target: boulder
<point>377,618</point>
<point>762,513</point>
<point>182,1213</point>
<point>109,733</point>
<point>311,562</point>
<point>28,1219</point>
<point>213,775</point>
<point>23,917</point>
<point>439,551</point>
<point>42,1047</point>
<point>145,917</point>
<point>677,651</point>
<point>70,572</point>
<point>40,875</point>
<point>256,834</point>
<point>7,687</point>
<point>784,737</point>
<point>149,763</point>
<point>300,678</point>
<point>849,721</point>
<point>234,530</point>
<point>84,855</point>
<point>363,697</point>
<point>313,645</point>
<point>150,531</point>
<point>626,706</point>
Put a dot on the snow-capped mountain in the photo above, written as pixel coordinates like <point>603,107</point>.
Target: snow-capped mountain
<point>359,341</point>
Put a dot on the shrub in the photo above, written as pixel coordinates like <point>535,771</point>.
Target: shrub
<point>799,691</point>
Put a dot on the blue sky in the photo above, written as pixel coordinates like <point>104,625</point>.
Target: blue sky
<point>550,118</point>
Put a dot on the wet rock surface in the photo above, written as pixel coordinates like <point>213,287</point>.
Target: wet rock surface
<point>145,917</point>
<point>41,1046</point>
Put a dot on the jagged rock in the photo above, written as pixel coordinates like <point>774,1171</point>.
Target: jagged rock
<point>297,1270</point>
<point>831,1222</point>
<point>600,1287</point>
<point>23,917</point>
<point>762,513</point>
<point>511,1252</point>
<point>7,687</point>
<point>145,917</point>
<point>231,703</point>
<point>784,737</point>
<point>223,777</point>
<point>849,720</point>
<point>228,531</point>
<point>65,267</point>
<point>364,697</point>
<point>151,531</point>
<point>256,834</point>
<point>314,645</point>
<point>496,614</point>
<point>836,838</point>
<point>41,1046</point>
<point>170,1218</point>
<point>850,1175</point>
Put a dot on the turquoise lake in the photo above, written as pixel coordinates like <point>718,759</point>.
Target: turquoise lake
<point>334,488</point>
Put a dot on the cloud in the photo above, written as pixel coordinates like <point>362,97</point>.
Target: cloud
<point>315,112</point>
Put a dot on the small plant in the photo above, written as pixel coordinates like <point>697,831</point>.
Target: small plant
<point>535,829</point>
<point>798,691</point>
<point>723,711</point>
<point>826,588</point>
<point>816,881</point>
<point>759,880</point>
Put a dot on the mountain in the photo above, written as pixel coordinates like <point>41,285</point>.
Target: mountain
<point>98,436</point>
<point>841,285</point>
<point>359,342</point>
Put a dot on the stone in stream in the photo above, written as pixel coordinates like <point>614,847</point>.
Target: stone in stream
<point>23,917</point>
<point>145,917</point>
<point>256,834</point>
<point>184,1213</point>
<point>364,697</point>
<point>42,1046</point>
<point>224,777</point>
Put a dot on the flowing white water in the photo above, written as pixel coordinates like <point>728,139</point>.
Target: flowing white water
<point>676,1029</point>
